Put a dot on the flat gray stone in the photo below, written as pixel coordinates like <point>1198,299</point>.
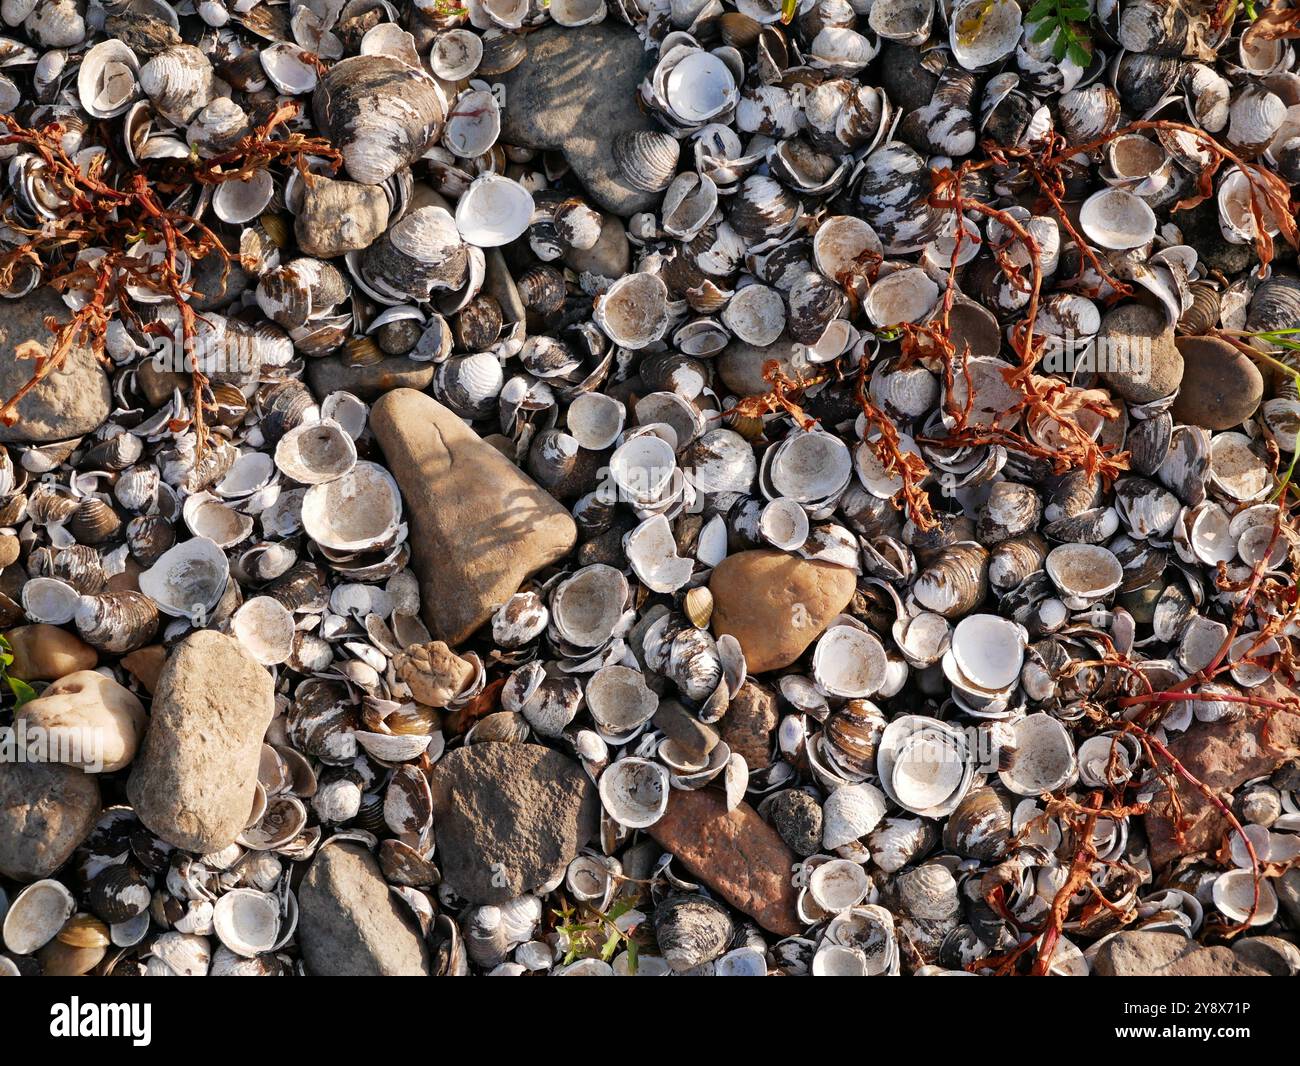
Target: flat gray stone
<point>576,92</point>
<point>350,924</point>
<point>69,403</point>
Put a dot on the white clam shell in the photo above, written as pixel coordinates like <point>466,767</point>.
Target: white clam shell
<point>188,580</point>
<point>493,211</point>
<point>247,921</point>
<point>634,792</point>
<point>36,915</point>
<point>359,511</point>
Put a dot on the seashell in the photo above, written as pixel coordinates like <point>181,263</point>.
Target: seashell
<point>36,915</point>
<point>691,931</point>
<point>117,622</point>
<point>266,629</point>
<point>850,737</point>
<point>456,54</point>
<point>187,580</point>
<point>356,512</point>
<point>851,812</point>
<point>49,600</point>
<point>620,701</point>
<point>979,827</point>
<point>247,921</point>
<point>119,894</point>
<point>848,662</point>
<point>380,113</point>
<point>1234,894</point>
<point>315,453</point>
<point>634,792</point>
<point>1083,573</point>
<point>493,211</point>
<point>645,160</point>
<point>762,208</point>
<point>633,312</point>
<point>1117,219</point>
<point>107,80</point>
<point>979,33</point>
<point>891,191</point>
<point>924,765</point>
<point>179,82</point>
<point>94,522</point>
<point>956,582</point>
<point>1015,559</point>
<point>1043,757</point>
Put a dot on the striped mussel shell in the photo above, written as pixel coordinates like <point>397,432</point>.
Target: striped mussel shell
<point>1143,79</point>
<point>646,159</point>
<point>1086,114</point>
<point>381,113</point>
<point>94,522</point>
<point>762,208</point>
<point>1014,559</point>
<point>850,738</point>
<point>892,192</point>
<point>179,81</point>
<point>147,537</point>
<point>956,582</point>
<point>1202,315</point>
<point>116,453</point>
<point>1275,305</point>
<point>79,565</point>
<point>542,289</point>
<point>285,406</point>
<point>117,622</point>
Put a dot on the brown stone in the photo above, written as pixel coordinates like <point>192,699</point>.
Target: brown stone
<point>88,704</point>
<point>1221,387</point>
<point>690,734</point>
<point>10,548</point>
<point>145,664</point>
<point>735,853</point>
<point>1224,755</point>
<point>776,604</point>
<point>47,653</point>
<point>479,526</point>
<point>1141,953</point>
<point>750,723</point>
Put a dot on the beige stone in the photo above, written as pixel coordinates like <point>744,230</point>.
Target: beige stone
<point>479,526</point>
<point>105,719</point>
<point>194,779</point>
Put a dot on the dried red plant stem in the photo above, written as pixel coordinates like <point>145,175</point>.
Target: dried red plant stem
<point>115,217</point>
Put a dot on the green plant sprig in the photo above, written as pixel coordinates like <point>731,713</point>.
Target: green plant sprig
<point>594,934</point>
<point>21,690</point>
<point>1062,17</point>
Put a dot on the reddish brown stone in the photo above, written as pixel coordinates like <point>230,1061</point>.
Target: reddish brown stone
<point>751,720</point>
<point>735,853</point>
<point>1224,755</point>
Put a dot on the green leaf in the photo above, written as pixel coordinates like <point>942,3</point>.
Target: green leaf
<point>1040,10</point>
<point>21,689</point>
<point>633,956</point>
<point>1076,12</point>
<point>1043,31</point>
<point>1079,55</point>
<point>1060,47</point>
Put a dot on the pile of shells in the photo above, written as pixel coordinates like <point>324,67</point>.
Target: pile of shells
<point>734,369</point>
